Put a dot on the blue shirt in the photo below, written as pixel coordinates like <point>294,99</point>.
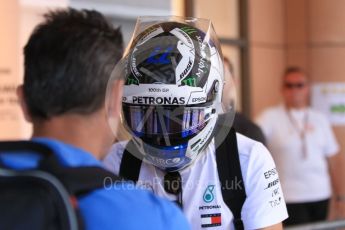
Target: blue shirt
<point>120,206</point>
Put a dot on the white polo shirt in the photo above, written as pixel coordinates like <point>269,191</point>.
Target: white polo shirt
<point>304,179</point>
<point>202,197</point>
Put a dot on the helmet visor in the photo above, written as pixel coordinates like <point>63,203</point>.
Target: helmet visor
<point>169,124</point>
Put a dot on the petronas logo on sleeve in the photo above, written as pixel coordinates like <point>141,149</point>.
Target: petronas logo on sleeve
<point>208,194</point>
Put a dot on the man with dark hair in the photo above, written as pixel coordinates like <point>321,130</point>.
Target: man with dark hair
<point>68,61</point>
<point>305,150</point>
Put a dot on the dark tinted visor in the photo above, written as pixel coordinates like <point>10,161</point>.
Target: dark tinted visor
<point>161,122</point>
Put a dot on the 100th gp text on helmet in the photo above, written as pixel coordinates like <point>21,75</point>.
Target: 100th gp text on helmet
<point>172,93</point>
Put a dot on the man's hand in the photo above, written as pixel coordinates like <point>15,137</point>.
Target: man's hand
<point>337,171</point>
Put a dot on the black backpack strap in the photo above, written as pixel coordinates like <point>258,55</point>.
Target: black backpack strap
<point>15,147</point>
<point>77,180</point>
<point>230,176</point>
<point>130,163</point>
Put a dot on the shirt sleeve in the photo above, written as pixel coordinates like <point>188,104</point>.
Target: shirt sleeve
<point>331,145</point>
<point>265,205</point>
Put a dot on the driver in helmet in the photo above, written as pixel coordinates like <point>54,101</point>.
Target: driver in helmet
<point>172,98</point>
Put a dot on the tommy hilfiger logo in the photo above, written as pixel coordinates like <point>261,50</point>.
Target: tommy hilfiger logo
<point>211,220</point>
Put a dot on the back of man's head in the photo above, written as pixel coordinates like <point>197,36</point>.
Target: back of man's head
<point>68,61</point>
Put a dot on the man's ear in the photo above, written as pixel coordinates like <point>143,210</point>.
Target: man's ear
<point>118,95</point>
<point>22,103</point>
<point>114,104</point>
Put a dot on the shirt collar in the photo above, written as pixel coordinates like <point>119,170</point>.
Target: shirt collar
<point>69,154</point>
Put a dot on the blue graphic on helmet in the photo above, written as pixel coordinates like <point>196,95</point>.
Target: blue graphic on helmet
<point>168,158</point>
<point>162,59</point>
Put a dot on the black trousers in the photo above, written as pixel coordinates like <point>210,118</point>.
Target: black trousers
<point>301,213</point>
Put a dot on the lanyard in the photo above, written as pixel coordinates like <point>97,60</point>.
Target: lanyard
<point>173,185</point>
<point>301,132</point>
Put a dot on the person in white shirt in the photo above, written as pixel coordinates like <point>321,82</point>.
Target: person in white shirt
<point>304,148</point>
<point>171,99</point>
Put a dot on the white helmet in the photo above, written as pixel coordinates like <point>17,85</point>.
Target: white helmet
<point>173,92</point>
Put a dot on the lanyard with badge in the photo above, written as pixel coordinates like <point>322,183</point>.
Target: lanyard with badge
<point>173,185</point>
<point>301,132</point>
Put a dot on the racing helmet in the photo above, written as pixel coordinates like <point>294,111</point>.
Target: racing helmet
<point>173,82</point>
